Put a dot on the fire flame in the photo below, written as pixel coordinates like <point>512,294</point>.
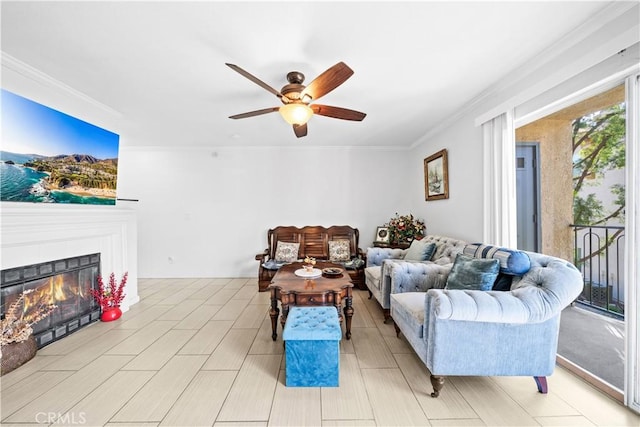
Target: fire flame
<point>53,292</point>
<point>57,289</point>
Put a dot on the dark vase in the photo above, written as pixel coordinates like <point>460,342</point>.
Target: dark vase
<point>17,354</point>
<point>111,313</point>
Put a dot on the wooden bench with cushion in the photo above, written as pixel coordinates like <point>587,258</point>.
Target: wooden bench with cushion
<point>337,244</point>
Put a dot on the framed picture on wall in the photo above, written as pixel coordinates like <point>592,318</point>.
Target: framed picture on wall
<point>382,235</point>
<point>436,176</point>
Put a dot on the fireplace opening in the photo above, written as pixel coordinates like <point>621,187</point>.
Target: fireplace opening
<point>66,283</point>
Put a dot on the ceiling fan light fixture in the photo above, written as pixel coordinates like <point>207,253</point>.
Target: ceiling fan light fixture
<point>296,97</point>
<point>296,113</point>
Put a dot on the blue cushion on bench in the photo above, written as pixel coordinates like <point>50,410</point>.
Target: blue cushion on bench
<point>353,264</point>
<point>272,264</point>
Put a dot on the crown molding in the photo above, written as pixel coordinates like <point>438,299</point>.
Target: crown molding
<point>216,148</point>
<point>33,74</point>
<point>609,13</point>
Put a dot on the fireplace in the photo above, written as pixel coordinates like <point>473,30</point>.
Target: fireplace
<point>66,283</point>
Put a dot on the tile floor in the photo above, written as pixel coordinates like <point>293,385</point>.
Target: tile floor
<point>198,352</point>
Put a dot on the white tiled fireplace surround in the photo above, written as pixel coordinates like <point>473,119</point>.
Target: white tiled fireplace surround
<point>34,233</point>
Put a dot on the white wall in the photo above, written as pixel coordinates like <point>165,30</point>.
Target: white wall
<point>592,44</point>
<point>460,215</point>
<point>206,212</point>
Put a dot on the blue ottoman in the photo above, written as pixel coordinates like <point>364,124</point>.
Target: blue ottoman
<point>312,347</point>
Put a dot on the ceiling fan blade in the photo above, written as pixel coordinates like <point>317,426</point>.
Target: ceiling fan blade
<point>328,81</point>
<point>337,112</point>
<point>254,113</point>
<point>255,79</point>
<point>300,130</point>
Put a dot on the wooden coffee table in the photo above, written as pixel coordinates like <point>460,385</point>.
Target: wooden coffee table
<point>292,290</point>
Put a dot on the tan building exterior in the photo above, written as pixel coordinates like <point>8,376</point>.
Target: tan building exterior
<point>553,134</point>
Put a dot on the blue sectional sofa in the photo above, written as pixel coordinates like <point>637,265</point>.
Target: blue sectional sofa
<point>469,332</point>
<point>433,271</point>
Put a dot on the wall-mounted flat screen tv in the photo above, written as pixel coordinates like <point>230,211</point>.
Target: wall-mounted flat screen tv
<point>50,157</point>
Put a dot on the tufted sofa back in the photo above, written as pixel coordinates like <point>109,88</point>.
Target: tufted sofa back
<point>446,248</point>
<point>557,283</point>
<point>375,256</point>
<point>540,294</point>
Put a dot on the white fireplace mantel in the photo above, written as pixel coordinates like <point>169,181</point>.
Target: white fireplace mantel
<point>35,233</point>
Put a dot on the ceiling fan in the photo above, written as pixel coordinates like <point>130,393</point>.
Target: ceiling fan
<point>297,98</point>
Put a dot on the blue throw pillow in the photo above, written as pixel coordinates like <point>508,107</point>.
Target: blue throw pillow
<point>354,264</point>
<point>272,264</point>
<point>511,261</point>
<point>470,273</point>
<point>420,251</point>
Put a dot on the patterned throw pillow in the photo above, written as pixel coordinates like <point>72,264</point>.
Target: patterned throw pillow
<point>287,252</point>
<point>339,250</point>
<point>511,261</point>
<point>470,273</point>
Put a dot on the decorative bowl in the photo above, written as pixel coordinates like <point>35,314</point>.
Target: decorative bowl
<point>332,271</point>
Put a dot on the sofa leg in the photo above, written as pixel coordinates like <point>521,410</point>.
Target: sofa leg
<point>437,382</point>
<point>370,294</point>
<point>541,382</point>
<point>387,315</point>
<point>396,328</point>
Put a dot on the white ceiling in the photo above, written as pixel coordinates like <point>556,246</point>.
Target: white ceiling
<point>162,64</point>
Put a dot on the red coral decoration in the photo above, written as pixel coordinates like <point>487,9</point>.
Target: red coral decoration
<point>113,295</point>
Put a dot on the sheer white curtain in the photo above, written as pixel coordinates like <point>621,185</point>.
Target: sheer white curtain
<point>500,221</point>
<point>632,245</point>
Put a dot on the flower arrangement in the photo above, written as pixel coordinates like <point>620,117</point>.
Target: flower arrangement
<point>111,296</point>
<point>405,228</point>
<point>309,263</point>
<point>16,325</point>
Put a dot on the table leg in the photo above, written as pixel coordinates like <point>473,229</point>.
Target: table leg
<point>285,312</point>
<point>348,314</point>
<point>273,312</point>
<point>337,298</point>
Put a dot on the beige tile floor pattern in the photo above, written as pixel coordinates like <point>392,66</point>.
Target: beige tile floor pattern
<point>198,352</point>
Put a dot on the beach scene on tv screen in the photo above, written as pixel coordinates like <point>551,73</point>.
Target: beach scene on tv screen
<point>50,157</point>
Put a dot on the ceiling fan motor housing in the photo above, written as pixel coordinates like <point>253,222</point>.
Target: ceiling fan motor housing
<point>295,77</point>
<point>291,92</point>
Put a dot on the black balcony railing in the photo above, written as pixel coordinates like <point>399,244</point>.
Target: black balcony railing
<point>599,255</point>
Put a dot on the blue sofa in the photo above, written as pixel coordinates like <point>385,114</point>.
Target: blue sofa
<point>433,271</point>
<point>459,332</point>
